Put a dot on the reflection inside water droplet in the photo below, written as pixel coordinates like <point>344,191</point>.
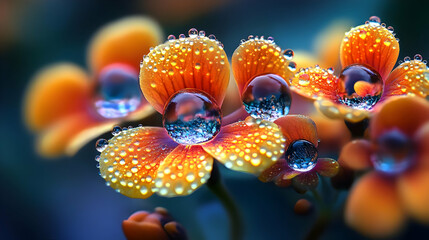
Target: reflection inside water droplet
<point>101,144</point>
<point>267,97</point>
<point>394,153</point>
<point>192,117</point>
<point>301,156</point>
<point>360,86</point>
<point>117,92</point>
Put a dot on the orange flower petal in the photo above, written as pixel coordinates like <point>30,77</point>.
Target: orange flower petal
<point>373,207</point>
<point>422,140</point>
<point>305,181</point>
<point>395,114</point>
<point>414,192</point>
<point>256,57</point>
<point>298,127</point>
<point>327,167</point>
<point>370,44</point>
<point>248,146</point>
<point>356,155</point>
<point>316,82</point>
<point>410,78</point>
<point>335,110</point>
<point>131,160</point>
<point>142,225</point>
<point>193,62</point>
<point>70,134</point>
<point>123,41</point>
<point>55,92</point>
<point>279,170</point>
<point>183,171</point>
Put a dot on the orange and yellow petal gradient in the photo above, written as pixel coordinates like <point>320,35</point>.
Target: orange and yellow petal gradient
<point>123,41</point>
<point>378,203</point>
<point>248,146</point>
<point>184,170</point>
<point>410,77</point>
<point>374,207</point>
<point>58,103</point>
<point>193,62</point>
<point>404,113</point>
<point>258,56</point>
<point>55,92</point>
<point>316,82</point>
<point>356,155</point>
<point>131,160</point>
<point>371,44</point>
<point>298,127</point>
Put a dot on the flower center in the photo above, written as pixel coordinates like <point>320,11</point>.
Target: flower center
<point>191,117</point>
<point>301,156</point>
<point>394,153</point>
<point>117,92</point>
<point>267,97</point>
<point>360,86</point>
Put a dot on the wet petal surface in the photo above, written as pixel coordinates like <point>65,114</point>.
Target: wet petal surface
<point>249,146</point>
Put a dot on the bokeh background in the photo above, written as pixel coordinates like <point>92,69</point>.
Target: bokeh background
<point>66,199</point>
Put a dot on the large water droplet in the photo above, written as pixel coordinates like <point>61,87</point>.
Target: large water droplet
<point>192,117</point>
<point>394,153</point>
<point>116,130</point>
<point>288,54</point>
<point>301,156</point>
<point>192,32</point>
<point>267,97</point>
<point>360,86</point>
<point>101,144</point>
<point>117,92</point>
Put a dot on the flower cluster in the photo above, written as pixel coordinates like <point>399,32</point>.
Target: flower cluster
<point>186,80</point>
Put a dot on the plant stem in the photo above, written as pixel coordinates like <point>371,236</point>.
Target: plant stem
<point>322,221</point>
<point>357,129</point>
<point>217,187</point>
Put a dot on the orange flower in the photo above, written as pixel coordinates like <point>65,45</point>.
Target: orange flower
<point>185,79</point>
<point>158,225</point>
<point>301,164</point>
<point>398,151</point>
<point>368,54</point>
<point>68,107</point>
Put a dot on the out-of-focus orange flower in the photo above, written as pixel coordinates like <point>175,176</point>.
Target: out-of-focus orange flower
<point>68,107</point>
<point>398,152</point>
<point>326,47</point>
<point>368,54</point>
<point>301,164</point>
<point>158,225</point>
<point>185,79</point>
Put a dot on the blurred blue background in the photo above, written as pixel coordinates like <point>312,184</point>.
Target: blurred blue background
<point>66,199</point>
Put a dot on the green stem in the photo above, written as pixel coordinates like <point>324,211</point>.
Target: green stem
<point>217,187</point>
<point>322,220</point>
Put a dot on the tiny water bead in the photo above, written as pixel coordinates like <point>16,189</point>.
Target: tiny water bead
<point>116,130</point>
<point>101,144</point>
<point>192,117</point>
<point>394,153</point>
<point>117,92</point>
<point>360,86</point>
<point>301,156</point>
<point>267,97</point>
